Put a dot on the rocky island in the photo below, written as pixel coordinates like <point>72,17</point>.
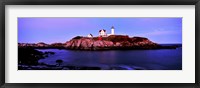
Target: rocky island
<point>112,42</point>
<point>103,41</point>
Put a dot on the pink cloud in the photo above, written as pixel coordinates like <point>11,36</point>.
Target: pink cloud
<point>158,32</point>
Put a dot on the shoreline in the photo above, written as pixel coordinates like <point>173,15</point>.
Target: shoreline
<point>73,67</point>
<point>109,48</point>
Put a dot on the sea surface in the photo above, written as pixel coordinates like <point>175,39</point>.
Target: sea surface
<point>160,59</point>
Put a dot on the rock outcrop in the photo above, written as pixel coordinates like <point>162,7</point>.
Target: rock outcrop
<point>110,43</point>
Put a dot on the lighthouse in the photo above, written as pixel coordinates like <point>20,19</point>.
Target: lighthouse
<point>112,30</point>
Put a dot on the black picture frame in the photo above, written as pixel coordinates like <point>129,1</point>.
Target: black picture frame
<point>3,3</point>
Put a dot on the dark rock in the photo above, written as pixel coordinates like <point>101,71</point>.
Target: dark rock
<point>29,56</point>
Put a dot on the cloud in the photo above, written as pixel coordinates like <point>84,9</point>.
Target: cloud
<point>159,32</point>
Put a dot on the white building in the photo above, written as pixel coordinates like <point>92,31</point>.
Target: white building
<point>90,35</point>
<point>102,33</point>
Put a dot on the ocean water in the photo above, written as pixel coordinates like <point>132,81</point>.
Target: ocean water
<point>161,59</point>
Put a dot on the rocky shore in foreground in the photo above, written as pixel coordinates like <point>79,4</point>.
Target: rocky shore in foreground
<point>112,42</point>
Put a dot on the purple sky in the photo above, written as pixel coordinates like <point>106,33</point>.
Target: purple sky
<point>51,30</point>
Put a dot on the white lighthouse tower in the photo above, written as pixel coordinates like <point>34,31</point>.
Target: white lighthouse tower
<point>112,30</point>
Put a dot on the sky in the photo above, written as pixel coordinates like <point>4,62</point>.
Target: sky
<point>52,30</point>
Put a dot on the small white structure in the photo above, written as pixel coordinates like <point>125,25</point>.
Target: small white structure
<point>90,35</point>
<point>102,33</point>
<point>112,30</point>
